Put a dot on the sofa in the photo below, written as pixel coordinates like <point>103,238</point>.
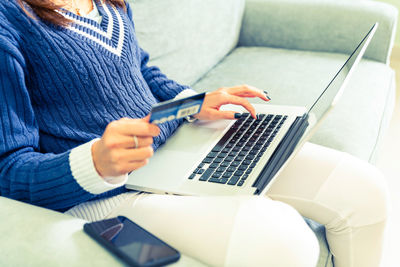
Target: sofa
<point>290,48</point>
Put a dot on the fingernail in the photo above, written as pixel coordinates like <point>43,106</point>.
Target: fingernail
<point>265,92</point>
<point>268,98</point>
<point>238,115</point>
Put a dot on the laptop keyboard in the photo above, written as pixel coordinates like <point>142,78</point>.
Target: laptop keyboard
<point>236,154</point>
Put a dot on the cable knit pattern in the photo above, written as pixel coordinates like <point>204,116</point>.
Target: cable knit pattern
<point>59,88</point>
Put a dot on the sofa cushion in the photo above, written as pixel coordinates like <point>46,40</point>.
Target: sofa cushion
<point>297,77</point>
<point>186,38</point>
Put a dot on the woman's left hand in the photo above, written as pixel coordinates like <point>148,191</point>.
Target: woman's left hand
<point>210,109</point>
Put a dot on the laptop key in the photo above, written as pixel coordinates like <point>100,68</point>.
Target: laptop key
<point>246,148</point>
<point>225,164</point>
<point>233,180</point>
<point>243,167</point>
<point>233,153</point>
<point>243,153</point>
<point>229,158</point>
<point>221,169</point>
<point>192,176</point>
<point>250,157</point>
<point>218,160</point>
<point>235,163</point>
<point>207,160</point>
<point>217,175</point>
<point>227,174</point>
<point>214,180</point>
<point>240,183</point>
<point>238,173</point>
<point>214,165</point>
<point>206,175</point>
<point>225,150</point>
<point>223,180</point>
<point>217,148</point>
<point>212,155</point>
<point>231,169</point>
<point>239,158</point>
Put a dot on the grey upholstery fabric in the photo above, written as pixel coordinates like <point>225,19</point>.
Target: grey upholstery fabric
<point>319,25</point>
<point>186,38</point>
<point>325,256</point>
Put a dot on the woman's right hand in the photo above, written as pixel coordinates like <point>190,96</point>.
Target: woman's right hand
<point>115,153</point>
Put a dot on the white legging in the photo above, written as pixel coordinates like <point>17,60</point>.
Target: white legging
<point>343,193</point>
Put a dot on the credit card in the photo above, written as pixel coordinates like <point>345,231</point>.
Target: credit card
<point>176,109</point>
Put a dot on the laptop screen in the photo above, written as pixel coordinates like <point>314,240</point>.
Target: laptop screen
<point>334,89</point>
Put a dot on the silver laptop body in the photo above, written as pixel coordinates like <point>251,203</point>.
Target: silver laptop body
<point>173,168</point>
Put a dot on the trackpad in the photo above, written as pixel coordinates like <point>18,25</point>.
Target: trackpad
<point>195,138</point>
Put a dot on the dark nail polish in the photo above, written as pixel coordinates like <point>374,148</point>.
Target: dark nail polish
<point>268,98</point>
<point>265,92</point>
<point>238,115</point>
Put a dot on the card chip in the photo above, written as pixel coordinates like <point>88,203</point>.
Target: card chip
<point>188,111</point>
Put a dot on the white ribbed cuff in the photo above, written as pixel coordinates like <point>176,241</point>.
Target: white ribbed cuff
<point>85,174</point>
<point>186,93</point>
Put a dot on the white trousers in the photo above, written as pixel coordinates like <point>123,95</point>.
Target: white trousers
<point>343,193</point>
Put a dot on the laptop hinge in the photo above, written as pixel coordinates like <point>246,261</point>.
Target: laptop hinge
<point>282,152</point>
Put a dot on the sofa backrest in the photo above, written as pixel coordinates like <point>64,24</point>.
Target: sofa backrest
<point>185,38</point>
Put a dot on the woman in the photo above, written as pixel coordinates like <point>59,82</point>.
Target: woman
<point>75,90</point>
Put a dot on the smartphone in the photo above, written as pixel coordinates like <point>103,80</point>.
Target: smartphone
<point>131,243</point>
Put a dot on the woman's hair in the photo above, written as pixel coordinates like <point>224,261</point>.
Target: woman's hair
<point>46,10</point>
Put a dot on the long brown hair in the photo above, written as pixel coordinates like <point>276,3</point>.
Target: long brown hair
<point>46,10</point>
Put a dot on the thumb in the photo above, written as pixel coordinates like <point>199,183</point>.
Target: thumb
<point>147,118</point>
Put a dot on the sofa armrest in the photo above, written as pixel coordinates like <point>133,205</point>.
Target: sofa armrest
<point>315,25</point>
<point>39,237</point>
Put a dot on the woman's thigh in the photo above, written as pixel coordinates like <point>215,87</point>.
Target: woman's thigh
<point>324,184</point>
<point>226,231</point>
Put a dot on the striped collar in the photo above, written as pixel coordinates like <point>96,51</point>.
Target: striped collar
<point>110,33</point>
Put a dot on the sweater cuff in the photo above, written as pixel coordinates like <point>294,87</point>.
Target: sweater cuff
<point>85,174</point>
<point>185,93</point>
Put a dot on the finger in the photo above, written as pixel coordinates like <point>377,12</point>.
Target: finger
<point>134,165</point>
<point>137,154</point>
<point>221,115</point>
<point>129,166</point>
<point>128,141</point>
<point>136,127</point>
<point>242,102</point>
<point>247,91</point>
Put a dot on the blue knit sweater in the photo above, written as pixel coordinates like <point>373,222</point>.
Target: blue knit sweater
<point>59,88</point>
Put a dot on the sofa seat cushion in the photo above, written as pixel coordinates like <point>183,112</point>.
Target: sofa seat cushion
<point>298,77</point>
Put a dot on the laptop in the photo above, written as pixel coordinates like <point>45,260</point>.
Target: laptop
<point>243,156</point>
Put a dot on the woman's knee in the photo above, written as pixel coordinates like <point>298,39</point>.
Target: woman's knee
<point>358,192</point>
<point>271,233</point>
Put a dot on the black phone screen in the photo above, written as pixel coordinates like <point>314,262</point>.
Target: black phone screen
<point>131,242</point>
